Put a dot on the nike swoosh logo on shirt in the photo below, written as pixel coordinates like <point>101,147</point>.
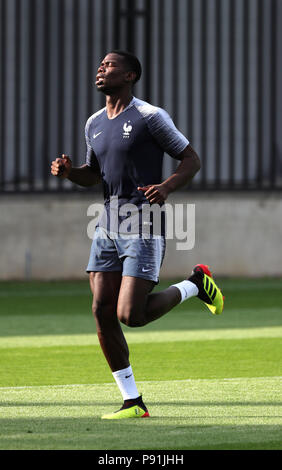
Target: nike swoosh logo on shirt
<point>96,135</point>
<point>145,270</point>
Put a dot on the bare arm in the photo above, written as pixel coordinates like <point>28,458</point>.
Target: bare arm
<point>83,175</point>
<point>186,170</point>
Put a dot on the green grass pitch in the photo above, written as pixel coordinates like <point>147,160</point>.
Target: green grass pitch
<point>209,382</point>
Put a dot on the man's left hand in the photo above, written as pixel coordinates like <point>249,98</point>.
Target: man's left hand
<point>155,193</point>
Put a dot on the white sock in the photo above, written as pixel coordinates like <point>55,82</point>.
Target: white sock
<point>126,383</point>
<point>187,289</point>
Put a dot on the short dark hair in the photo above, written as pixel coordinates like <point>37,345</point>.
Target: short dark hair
<point>131,61</point>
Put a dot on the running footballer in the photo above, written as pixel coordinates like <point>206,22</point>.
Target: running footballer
<point>126,141</point>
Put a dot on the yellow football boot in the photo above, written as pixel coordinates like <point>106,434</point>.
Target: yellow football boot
<point>209,293</point>
<point>130,409</point>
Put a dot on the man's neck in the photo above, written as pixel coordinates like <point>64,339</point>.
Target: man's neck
<point>116,104</point>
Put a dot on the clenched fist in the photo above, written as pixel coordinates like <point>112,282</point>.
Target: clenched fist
<point>61,167</point>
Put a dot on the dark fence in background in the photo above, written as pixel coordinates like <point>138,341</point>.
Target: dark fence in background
<point>214,65</point>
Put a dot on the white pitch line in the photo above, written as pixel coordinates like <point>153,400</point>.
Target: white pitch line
<point>112,384</point>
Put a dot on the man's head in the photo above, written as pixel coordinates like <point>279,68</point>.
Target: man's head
<point>119,69</point>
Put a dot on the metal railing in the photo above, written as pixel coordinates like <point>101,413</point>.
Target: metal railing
<point>214,65</point>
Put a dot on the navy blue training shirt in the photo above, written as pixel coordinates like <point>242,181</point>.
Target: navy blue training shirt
<point>129,150</point>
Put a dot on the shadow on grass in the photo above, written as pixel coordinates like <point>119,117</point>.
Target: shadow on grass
<point>156,433</point>
<point>64,308</point>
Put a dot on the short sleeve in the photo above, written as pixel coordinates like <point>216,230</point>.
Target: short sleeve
<point>91,159</point>
<point>163,129</point>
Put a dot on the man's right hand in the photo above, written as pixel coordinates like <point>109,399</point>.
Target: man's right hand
<point>61,167</point>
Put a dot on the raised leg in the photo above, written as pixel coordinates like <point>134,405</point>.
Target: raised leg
<point>137,306</point>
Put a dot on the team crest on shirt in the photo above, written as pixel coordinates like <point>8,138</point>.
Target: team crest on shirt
<point>127,128</point>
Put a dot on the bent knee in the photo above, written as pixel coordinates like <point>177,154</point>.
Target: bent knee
<point>131,317</point>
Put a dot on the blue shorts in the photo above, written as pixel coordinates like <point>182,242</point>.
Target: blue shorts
<point>137,257</point>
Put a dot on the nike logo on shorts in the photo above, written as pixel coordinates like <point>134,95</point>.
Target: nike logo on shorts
<point>144,270</point>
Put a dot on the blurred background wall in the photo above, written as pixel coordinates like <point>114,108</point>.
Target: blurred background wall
<point>214,65</point>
